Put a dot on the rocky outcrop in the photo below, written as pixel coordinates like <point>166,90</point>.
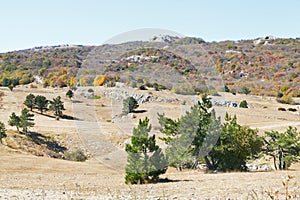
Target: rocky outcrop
<point>120,94</point>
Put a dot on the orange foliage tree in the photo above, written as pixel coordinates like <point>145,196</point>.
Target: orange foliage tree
<point>99,80</point>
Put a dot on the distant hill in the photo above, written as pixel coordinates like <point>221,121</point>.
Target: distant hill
<point>269,65</point>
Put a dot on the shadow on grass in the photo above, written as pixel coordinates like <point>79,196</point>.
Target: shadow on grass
<point>77,101</point>
<point>166,180</point>
<point>139,111</point>
<point>44,114</point>
<point>70,117</point>
<point>46,140</point>
<point>62,117</point>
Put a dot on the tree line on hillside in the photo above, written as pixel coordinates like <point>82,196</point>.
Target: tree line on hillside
<point>199,136</point>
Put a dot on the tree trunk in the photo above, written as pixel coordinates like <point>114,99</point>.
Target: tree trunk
<point>284,165</point>
<point>280,159</point>
<point>209,165</point>
<point>274,159</point>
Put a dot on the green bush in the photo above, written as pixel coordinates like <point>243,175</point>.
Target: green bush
<point>133,84</point>
<point>245,90</point>
<point>226,88</point>
<point>281,109</point>
<point>95,97</point>
<point>214,93</point>
<point>279,94</point>
<point>292,109</point>
<point>233,91</point>
<point>244,104</point>
<point>155,86</point>
<point>183,89</point>
<point>285,99</point>
<point>142,87</point>
<point>76,155</point>
<point>129,105</point>
<point>284,88</point>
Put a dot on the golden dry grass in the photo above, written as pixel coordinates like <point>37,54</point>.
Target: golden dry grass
<point>26,176</point>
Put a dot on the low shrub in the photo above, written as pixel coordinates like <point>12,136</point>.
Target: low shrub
<point>285,100</point>
<point>244,104</point>
<point>77,155</point>
<point>142,87</point>
<point>33,86</point>
<point>215,93</point>
<point>233,91</point>
<point>183,89</point>
<point>95,97</point>
<point>281,109</point>
<point>292,109</point>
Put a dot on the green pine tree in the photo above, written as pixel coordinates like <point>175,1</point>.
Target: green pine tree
<point>236,145</point>
<point>70,94</point>
<point>14,120</point>
<point>192,136</point>
<point>199,134</point>
<point>284,147</point>
<point>57,106</point>
<point>145,161</point>
<point>26,120</point>
<point>41,102</point>
<point>30,101</point>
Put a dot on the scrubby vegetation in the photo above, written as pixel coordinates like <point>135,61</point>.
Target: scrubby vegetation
<point>57,66</point>
<point>129,105</point>
<point>199,136</point>
<point>76,155</point>
<point>247,66</point>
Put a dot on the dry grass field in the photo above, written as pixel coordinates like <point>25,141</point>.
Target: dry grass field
<point>26,176</point>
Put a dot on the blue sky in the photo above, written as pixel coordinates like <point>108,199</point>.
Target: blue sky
<point>30,23</point>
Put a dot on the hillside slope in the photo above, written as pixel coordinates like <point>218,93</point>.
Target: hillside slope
<point>267,66</point>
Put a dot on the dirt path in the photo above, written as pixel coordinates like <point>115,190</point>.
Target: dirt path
<point>94,135</point>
